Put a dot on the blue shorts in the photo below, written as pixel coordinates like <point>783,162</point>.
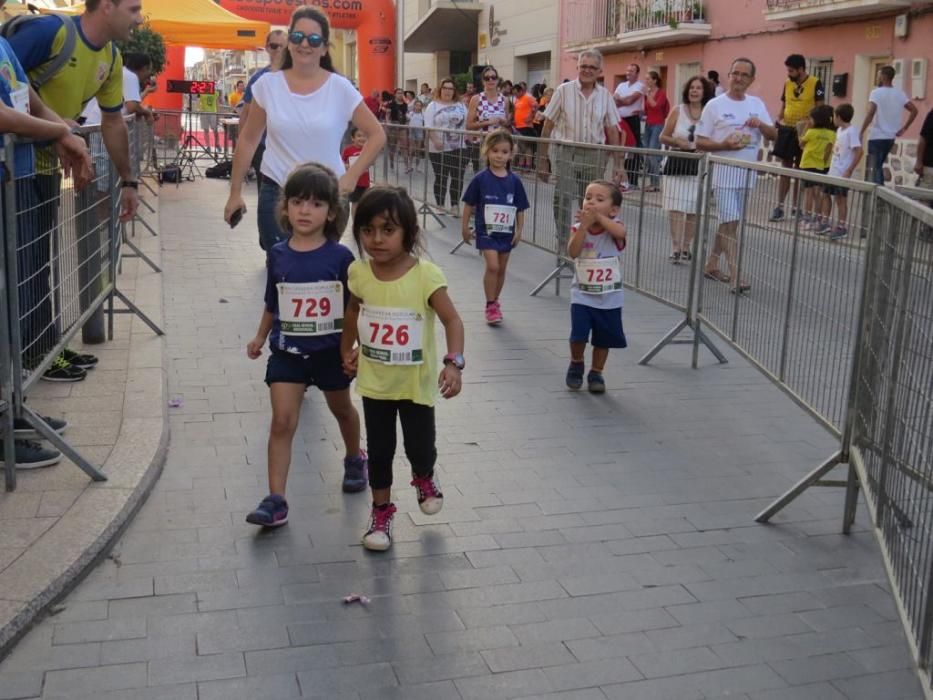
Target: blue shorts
<point>501,244</point>
<point>321,369</point>
<point>604,324</point>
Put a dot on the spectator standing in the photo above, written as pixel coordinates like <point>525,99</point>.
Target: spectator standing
<point>373,103</point>
<point>802,92</point>
<point>656,110</point>
<point>445,149</point>
<point>468,93</point>
<point>630,99</point>
<point>235,97</point>
<point>680,179</point>
<point>924,165</point>
<point>847,152</point>
<point>94,70</point>
<point>734,122</point>
<point>304,109</point>
<point>885,104</point>
<point>207,108</point>
<point>713,77</point>
<point>580,111</point>
<point>524,108</point>
<point>275,46</point>
<point>486,112</point>
<point>397,112</point>
<point>22,113</point>
<point>137,69</point>
<point>424,96</point>
<point>416,134</point>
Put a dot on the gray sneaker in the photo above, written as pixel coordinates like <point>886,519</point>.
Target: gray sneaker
<point>32,455</point>
<point>22,429</point>
<point>355,473</point>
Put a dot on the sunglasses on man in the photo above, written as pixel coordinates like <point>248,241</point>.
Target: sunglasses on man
<point>273,47</point>
<point>314,40</point>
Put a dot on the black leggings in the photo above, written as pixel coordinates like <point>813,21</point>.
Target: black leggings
<point>448,167</point>
<point>417,432</point>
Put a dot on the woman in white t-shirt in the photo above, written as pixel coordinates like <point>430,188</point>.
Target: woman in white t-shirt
<point>304,109</point>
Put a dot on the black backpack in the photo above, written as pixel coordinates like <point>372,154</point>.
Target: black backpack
<point>221,170</point>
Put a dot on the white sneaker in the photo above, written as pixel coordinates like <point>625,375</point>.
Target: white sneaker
<point>428,491</point>
<point>378,537</point>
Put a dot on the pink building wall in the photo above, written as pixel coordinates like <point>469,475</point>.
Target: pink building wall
<point>740,29</point>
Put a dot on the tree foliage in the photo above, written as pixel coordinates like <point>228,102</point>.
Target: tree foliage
<point>144,40</point>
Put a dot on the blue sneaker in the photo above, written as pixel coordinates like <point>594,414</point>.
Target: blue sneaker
<point>355,473</point>
<point>595,382</point>
<point>271,512</point>
<point>575,375</point>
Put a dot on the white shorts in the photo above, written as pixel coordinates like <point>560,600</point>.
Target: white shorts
<point>730,202</point>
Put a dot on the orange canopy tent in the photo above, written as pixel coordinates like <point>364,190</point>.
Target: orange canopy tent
<point>198,23</point>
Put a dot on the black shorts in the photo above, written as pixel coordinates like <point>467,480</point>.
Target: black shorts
<point>818,171</point>
<point>786,145</point>
<point>322,369</point>
<point>835,190</point>
<point>357,194</point>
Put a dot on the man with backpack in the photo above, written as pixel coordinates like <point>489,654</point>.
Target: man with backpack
<point>69,61</point>
<point>23,114</point>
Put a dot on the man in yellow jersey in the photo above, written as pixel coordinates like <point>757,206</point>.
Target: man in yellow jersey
<point>95,69</point>
<point>801,93</point>
<point>207,106</point>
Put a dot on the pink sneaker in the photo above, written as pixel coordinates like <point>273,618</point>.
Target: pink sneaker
<point>428,490</point>
<point>379,535</point>
<point>493,314</point>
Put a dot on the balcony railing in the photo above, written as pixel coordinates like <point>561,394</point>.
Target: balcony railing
<point>819,10</point>
<point>636,15</point>
<point>591,19</point>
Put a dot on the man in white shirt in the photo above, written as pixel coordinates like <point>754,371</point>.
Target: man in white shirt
<point>137,68</point>
<point>630,99</point>
<point>580,111</point>
<point>733,124</point>
<point>884,108</point>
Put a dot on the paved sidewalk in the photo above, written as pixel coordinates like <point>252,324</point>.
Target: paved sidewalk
<point>589,548</point>
<point>58,521</point>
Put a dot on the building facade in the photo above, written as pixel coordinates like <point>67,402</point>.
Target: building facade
<point>442,37</point>
<point>844,41</point>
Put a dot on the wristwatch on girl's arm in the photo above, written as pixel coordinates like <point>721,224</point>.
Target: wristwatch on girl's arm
<point>455,359</point>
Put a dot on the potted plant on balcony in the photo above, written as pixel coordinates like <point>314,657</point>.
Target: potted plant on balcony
<point>696,12</point>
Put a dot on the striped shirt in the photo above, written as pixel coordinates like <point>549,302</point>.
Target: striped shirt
<point>577,117</point>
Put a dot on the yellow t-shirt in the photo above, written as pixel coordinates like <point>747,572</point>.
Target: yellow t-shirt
<point>235,98</point>
<point>800,99</point>
<point>207,102</point>
<point>375,380</point>
<point>814,142</point>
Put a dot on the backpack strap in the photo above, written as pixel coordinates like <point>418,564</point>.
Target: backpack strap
<point>43,73</point>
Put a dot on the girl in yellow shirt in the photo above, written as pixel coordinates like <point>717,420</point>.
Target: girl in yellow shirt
<point>817,138</point>
<point>394,298</point>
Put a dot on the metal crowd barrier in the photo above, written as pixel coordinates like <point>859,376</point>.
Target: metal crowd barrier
<point>439,180</point>
<point>889,439</point>
<point>843,324</point>
<point>61,253</point>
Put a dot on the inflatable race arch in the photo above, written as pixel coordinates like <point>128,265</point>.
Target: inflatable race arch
<point>373,20</point>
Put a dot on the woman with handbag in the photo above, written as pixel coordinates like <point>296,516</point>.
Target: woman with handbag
<point>680,186</point>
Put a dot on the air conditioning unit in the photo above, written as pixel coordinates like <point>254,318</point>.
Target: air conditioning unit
<point>899,65</point>
<point>918,79</point>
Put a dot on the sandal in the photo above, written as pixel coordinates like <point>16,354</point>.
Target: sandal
<point>716,275</point>
<point>685,255</point>
<point>742,288</point>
